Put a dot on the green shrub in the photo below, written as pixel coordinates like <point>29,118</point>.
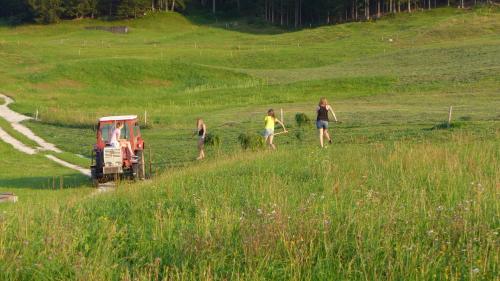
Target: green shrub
<point>301,119</point>
<point>444,125</point>
<point>299,134</point>
<point>251,141</point>
<point>212,140</point>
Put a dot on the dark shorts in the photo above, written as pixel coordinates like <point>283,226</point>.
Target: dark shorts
<point>321,124</point>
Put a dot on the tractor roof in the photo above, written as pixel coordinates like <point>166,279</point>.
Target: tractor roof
<point>118,118</point>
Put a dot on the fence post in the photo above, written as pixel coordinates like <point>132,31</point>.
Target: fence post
<point>449,116</point>
<point>36,115</point>
<point>282,117</point>
<point>145,117</point>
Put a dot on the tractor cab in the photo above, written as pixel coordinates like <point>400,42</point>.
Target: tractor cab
<point>114,160</point>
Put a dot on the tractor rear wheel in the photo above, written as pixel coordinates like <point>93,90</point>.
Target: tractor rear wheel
<point>141,171</point>
<point>138,168</point>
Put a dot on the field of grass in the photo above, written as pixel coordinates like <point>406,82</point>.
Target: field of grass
<point>397,196</point>
<point>399,211</point>
<point>174,69</point>
<point>36,181</point>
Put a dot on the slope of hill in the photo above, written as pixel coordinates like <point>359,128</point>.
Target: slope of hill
<point>173,69</point>
<point>397,196</point>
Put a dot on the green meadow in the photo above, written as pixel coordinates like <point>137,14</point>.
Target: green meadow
<point>397,196</point>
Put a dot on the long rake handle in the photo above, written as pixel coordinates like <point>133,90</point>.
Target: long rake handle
<point>286,132</point>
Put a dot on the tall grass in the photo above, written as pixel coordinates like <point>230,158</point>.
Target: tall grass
<point>389,211</point>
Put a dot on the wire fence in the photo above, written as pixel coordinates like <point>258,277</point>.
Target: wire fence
<point>170,147</point>
<point>174,145</point>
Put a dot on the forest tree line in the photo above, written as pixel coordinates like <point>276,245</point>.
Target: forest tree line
<point>289,13</point>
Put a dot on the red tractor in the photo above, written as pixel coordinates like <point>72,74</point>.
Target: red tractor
<point>111,162</point>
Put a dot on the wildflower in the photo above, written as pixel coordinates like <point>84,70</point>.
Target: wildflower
<point>475,270</point>
<point>430,232</point>
<point>241,218</point>
<point>322,197</point>
<point>259,211</point>
<point>440,208</point>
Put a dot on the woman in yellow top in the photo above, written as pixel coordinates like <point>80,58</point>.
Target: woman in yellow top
<point>269,122</point>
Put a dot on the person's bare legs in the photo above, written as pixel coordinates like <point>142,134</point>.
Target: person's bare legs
<point>321,133</point>
<point>201,153</point>
<point>269,140</point>
<point>325,132</point>
<point>129,148</point>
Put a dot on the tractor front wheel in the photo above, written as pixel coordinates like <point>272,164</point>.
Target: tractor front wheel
<point>93,176</point>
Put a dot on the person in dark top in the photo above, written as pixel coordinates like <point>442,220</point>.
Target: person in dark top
<point>322,120</point>
<point>201,132</point>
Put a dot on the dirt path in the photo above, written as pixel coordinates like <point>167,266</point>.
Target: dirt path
<point>15,143</point>
<point>14,119</point>
<point>69,165</point>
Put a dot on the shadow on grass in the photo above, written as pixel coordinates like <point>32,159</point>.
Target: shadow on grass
<point>251,25</point>
<point>56,182</point>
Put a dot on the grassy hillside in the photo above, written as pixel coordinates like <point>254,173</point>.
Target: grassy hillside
<point>176,71</point>
<point>397,196</point>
